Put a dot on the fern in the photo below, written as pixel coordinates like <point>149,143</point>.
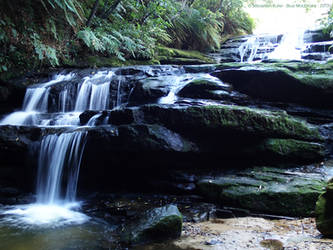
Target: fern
<point>45,51</point>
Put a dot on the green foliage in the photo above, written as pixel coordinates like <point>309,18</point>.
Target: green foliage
<point>328,22</point>
<point>202,25</point>
<point>47,33</point>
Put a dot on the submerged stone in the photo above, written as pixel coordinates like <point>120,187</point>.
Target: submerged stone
<point>157,224</point>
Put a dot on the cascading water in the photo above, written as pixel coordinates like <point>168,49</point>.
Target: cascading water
<point>260,47</point>
<point>60,154</point>
<point>290,47</point>
<point>91,94</point>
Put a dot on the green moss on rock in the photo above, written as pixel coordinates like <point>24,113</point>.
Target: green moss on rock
<point>306,83</point>
<point>324,211</point>
<point>156,225</point>
<point>292,150</point>
<point>268,190</point>
<point>181,57</point>
<point>261,123</point>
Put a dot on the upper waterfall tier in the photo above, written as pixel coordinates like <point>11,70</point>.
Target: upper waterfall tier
<point>293,45</point>
<point>61,100</point>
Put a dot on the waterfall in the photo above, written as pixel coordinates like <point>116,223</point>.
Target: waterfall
<point>269,47</point>
<point>119,93</point>
<point>92,93</point>
<point>290,46</point>
<point>60,157</point>
<point>249,48</point>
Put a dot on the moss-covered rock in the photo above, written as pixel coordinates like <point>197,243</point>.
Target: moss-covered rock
<point>290,150</point>
<point>298,82</point>
<point>324,211</point>
<point>205,89</point>
<point>155,225</point>
<point>150,89</point>
<point>181,57</point>
<point>264,189</point>
<point>228,118</point>
<point>233,131</point>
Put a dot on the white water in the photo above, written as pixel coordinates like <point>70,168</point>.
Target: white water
<point>250,46</point>
<point>58,171</point>
<point>43,215</point>
<point>290,47</point>
<point>92,96</point>
<point>177,82</point>
<point>60,154</point>
<point>93,93</point>
<point>259,47</point>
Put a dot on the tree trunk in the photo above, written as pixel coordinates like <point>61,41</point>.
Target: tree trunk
<point>111,9</point>
<point>92,13</point>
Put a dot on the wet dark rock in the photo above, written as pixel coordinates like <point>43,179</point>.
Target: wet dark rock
<point>290,150</point>
<point>199,68</point>
<point>205,89</point>
<point>316,56</point>
<point>155,225</point>
<point>263,189</point>
<point>137,138</point>
<point>15,142</point>
<point>150,89</point>
<point>308,84</point>
<point>233,131</point>
<point>147,71</point>
<point>223,119</point>
<point>324,208</point>
<point>318,47</point>
<point>313,36</point>
<point>11,96</point>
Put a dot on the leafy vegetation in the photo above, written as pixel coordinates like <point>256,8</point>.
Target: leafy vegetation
<point>44,33</point>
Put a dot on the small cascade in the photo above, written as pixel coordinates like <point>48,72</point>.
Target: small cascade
<point>118,103</point>
<point>249,48</point>
<point>42,109</point>
<point>58,170</point>
<point>93,93</point>
<point>290,47</point>
<point>59,154</point>
<point>257,47</point>
<point>287,46</point>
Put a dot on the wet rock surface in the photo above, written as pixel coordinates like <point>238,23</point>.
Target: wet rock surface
<point>324,216</point>
<point>304,83</point>
<point>157,224</point>
<point>215,142</point>
<point>287,192</point>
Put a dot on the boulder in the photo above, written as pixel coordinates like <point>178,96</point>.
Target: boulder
<point>309,84</point>
<point>289,151</point>
<point>233,131</point>
<point>155,225</point>
<point>11,96</point>
<point>289,192</point>
<point>150,89</point>
<point>137,138</point>
<point>224,119</point>
<point>324,211</point>
<point>204,88</point>
<point>15,143</point>
<point>316,35</point>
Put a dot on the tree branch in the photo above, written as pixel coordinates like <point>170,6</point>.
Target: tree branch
<point>92,13</point>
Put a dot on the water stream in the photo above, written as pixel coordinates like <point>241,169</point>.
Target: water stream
<point>60,154</point>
